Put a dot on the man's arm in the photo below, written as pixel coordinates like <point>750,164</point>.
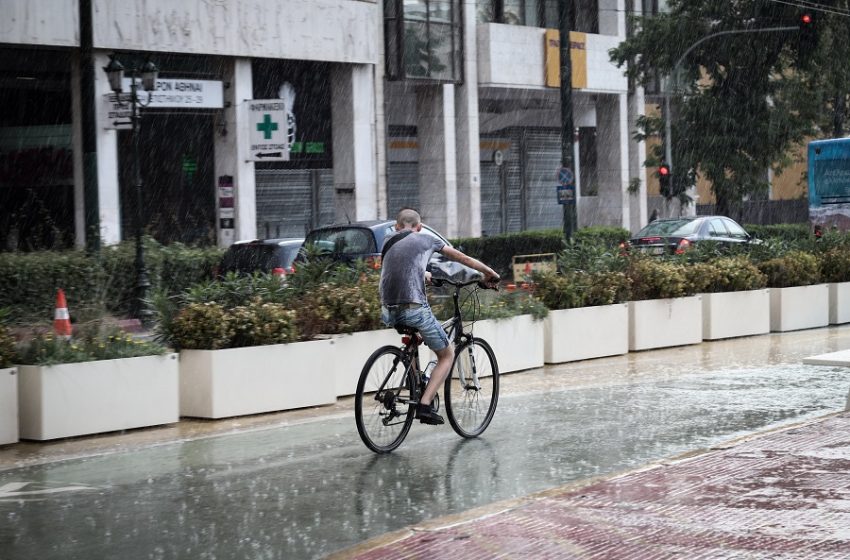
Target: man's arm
<point>490,276</point>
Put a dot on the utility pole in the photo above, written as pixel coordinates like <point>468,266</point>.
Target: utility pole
<point>89,125</point>
<point>565,9</point>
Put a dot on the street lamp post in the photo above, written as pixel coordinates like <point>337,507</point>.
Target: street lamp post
<point>115,72</point>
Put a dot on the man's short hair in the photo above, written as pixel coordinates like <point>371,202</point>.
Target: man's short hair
<point>408,217</point>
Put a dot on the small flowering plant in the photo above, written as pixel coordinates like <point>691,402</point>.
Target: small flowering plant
<point>47,349</point>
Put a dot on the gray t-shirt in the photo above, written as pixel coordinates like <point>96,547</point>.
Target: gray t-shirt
<point>403,269</point>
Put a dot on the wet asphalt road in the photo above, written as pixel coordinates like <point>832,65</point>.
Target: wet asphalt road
<point>307,490</point>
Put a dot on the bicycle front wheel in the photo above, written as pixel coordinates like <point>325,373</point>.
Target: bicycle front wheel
<point>472,389</point>
<point>382,405</point>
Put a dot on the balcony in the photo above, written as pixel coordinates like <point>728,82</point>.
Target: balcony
<point>512,56</point>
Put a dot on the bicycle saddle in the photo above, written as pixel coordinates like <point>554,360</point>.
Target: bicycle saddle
<point>404,329</point>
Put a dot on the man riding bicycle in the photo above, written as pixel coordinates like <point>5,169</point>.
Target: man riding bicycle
<point>403,301</point>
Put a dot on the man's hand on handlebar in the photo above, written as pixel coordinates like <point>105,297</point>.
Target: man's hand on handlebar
<point>491,282</point>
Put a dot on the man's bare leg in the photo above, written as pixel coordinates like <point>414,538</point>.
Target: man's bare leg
<point>445,357</point>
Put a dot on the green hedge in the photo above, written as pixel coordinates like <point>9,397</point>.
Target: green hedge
<point>498,250</point>
<point>785,232</point>
<point>95,283</point>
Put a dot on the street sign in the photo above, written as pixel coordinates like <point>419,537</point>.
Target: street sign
<point>269,130</point>
<point>566,194</point>
<point>565,176</point>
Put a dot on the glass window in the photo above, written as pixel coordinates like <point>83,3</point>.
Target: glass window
<point>486,11</point>
<point>717,229</point>
<point>513,12</point>
<point>670,227</point>
<point>423,40</point>
<point>735,230</point>
<point>344,241</point>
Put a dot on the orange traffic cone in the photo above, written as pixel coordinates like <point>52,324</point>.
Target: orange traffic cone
<point>61,318</point>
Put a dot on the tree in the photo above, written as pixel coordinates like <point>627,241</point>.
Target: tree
<point>743,101</point>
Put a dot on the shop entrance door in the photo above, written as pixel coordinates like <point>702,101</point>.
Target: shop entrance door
<point>178,196</point>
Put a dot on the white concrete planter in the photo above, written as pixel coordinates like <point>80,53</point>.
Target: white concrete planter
<point>350,352</point>
<point>255,379</point>
<point>658,323</point>
<point>731,314</point>
<point>92,397</point>
<point>839,303</point>
<point>516,341</point>
<point>799,307</point>
<point>586,332</point>
<point>8,405</point>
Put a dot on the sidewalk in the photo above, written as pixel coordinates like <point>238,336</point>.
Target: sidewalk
<point>783,494</point>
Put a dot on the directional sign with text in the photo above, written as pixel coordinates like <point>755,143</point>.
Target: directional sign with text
<point>269,131</point>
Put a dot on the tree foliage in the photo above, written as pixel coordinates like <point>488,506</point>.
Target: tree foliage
<point>742,100</point>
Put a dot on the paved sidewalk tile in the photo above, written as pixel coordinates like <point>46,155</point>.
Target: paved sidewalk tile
<point>780,495</point>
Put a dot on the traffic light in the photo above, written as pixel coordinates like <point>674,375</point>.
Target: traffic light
<point>664,176</point>
<point>808,35</point>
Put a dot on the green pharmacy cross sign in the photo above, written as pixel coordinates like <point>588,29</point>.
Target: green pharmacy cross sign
<point>268,132</point>
<point>267,126</point>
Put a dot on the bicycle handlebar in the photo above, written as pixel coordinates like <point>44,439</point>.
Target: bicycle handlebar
<point>440,281</point>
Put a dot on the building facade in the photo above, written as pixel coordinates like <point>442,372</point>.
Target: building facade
<point>449,106</point>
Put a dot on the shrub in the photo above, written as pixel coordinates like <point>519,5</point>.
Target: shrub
<point>590,258</point>
<point>729,274</point>
<point>201,326</point>
<point>487,304</point>
<point>7,342</point>
<point>47,349</point>
<point>259,323</point>
<point>582,289</point>
<point>794,269</point>
<point>835,265</point>
<point>333,308</point>
<point>657,279</point>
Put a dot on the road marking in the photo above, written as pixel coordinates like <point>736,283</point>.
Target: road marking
<point>12,491</point>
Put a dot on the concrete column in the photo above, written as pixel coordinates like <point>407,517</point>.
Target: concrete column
<point>613,159</point>
<point>109,197</point>
<point>435,112</point>
<point>77,153</point>
<point>467,131</point>
<point>231,154</point>
<point>381,129</point>
<point>354,142</point>
<point>637,155</point>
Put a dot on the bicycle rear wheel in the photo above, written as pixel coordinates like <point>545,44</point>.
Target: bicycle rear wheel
<point>382,405</point>
<point>472,389</point>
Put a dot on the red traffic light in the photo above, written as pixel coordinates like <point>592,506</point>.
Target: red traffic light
<point>806,19</point>
<point>664,170</point>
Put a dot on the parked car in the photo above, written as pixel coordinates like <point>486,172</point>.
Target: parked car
<point>261,255</point>
<point>676,235</point>
<point>359,240</point>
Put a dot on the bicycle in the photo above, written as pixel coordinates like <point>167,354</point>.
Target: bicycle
<point>392,381</point>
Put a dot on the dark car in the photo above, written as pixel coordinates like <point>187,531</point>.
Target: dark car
<point>261,255</point>
<point>676,235</point>
<point>350,242</point>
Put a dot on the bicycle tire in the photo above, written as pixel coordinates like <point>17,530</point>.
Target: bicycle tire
<point>470,405</point>
<point>384,419</point>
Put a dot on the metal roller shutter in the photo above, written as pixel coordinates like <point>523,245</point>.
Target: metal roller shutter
<point>402,186</point>
<point>491,199</point>
<point>543,158</point>
<point>285,201</point>
<point>513,187</point>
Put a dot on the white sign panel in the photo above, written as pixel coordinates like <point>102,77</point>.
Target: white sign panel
<point>269,130</point>
<point>170,93</point>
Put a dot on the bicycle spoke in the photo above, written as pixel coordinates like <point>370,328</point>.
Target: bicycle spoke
<point>472,391</point>
<point>382,403</point>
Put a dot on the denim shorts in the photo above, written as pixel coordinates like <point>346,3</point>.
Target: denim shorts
<point>420,318</point>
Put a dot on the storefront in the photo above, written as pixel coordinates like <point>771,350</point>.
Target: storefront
<point>36,157</point>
